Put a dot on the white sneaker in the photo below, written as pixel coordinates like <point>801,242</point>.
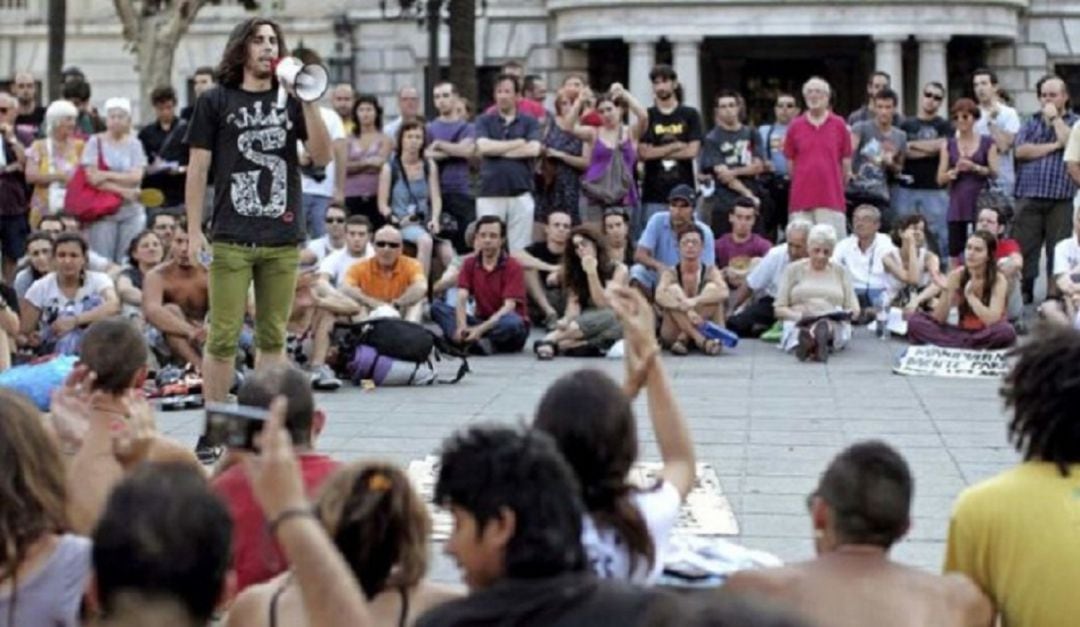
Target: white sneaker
<point>323,378</point>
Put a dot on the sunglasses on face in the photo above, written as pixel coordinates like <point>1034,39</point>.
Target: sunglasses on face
<point>933,96</point>
<point>387,244</point>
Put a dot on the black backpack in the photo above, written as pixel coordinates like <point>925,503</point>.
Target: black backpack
<point>398,339</point>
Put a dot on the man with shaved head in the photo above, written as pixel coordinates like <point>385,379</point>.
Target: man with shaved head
<point>1044,190</point>
<point>30,115</point>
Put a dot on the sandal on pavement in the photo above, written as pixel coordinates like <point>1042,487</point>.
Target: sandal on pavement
<point>545,350</point>
<point>678,347</point>
<point>711,347</point>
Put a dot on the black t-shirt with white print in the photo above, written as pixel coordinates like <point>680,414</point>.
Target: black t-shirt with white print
<point>253,143</point>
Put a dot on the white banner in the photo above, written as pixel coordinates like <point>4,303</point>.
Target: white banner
<point>935,361</point>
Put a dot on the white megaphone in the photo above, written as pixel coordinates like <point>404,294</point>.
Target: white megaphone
<point>308,81</point>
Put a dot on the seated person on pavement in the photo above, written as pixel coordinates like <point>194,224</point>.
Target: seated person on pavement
<point>589,325</point>
<point>658,248</point>
<point>689,295</point>
<point>917,283</point>
<point>860,508</point>
<point>750,310</point>
<point>389,279</point>
<point>495,282</point>
<point>816,300</point>
<point>865,256</point>
<point>176,299</point>
<point>542,262</point>
<point>738,251</point>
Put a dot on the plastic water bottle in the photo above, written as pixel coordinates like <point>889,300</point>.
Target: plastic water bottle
<point>713,331</point>
<point>883,316</point>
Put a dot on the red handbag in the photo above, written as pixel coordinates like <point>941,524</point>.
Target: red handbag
<point>86,202</point>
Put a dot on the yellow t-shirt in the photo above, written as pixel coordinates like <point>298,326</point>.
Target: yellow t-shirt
<point>1017,535</point>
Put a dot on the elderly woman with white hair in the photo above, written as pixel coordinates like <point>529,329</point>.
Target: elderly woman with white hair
<point>816,300</point>
<point>51,161</point>
<point>125,161</point>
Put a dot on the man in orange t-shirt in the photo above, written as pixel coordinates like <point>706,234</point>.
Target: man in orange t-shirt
<point>389,278</point>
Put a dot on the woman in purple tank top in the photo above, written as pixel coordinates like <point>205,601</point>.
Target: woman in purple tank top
<point>603,142</point>
<point>967,162</point>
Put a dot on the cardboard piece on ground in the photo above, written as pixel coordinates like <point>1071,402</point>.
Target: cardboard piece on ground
<point>706,512</point>
<point>935,361</point>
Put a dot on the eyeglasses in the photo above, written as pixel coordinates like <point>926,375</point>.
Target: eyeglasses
<point>387,244</point>
<point>335,220</point>
<point>933,96</point>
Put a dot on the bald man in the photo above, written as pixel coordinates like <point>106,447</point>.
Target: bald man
<point>31,115</point>
<point>342,97</point>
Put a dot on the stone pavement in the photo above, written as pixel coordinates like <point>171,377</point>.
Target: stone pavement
<point>768,424</point>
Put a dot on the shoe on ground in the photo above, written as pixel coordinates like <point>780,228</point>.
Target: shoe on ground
<point>324,379</point>
<point>774,333</point>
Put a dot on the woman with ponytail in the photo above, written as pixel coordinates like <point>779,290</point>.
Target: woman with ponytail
<point>382,529</point>
<point>627,529</point>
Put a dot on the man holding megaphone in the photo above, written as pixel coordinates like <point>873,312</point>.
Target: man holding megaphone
<point>250,122</point>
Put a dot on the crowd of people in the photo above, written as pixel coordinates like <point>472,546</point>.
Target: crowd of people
<point>224,244</point>
<point>401,211</point>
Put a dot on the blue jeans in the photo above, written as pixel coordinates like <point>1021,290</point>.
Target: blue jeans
<point>315,214</point>
<point>507,336</point>
<point>932,204</point>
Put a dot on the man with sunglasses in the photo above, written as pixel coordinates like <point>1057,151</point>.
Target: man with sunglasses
<point>322,247</point>
<point>918,190</point>
<point>777,178</point>
<point>388,279</point>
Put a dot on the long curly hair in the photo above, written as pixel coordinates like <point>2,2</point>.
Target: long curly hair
<point>574,278</point>
<point>32,486</point>
<point>230,72</point>
<point>989,272</point>
<point>592,422</point>
<point>379,524</point>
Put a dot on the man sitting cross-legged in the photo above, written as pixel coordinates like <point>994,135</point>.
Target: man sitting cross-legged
<point>689,294</point>
<point>175,300</point>
<point>542,262</point>
<point>496,283</point>
<point>859,509</point>
<point>738,251</point>
<point>106,393</point>
<point>389,279</point>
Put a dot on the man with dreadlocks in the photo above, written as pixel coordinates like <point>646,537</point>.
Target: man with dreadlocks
<point>1017,534</point>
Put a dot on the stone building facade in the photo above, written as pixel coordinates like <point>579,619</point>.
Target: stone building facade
<point>756,46</point>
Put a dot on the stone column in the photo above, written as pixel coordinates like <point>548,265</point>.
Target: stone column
<point>642,59</point>
<point>888,57</point>
<point>933,65</point>
<point>686,58</point>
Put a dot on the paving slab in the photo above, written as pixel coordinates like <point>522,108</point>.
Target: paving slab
<point>767,424</point>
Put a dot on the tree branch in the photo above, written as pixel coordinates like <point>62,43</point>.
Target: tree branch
<point>129,21</point>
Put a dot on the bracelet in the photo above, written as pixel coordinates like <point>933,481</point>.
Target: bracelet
<point>287,514</point>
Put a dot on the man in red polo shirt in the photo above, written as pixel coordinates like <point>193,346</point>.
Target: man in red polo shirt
<point>818,150</point>
<point>256,556</point>
<point>496,283</point>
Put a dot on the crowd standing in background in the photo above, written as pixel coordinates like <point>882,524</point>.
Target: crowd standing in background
<point>224,246</point>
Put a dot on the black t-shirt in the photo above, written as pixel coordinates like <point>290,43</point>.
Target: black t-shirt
<point>28,125</point>
<point>9,296</point>
<point>170,146</point>
<point>924,171</point>
<point>734,149</point>
<point>257,195</point>
<point>541,251</point>
<point>661,175</point>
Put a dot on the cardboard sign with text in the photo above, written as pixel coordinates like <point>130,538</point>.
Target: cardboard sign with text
<point>935,361</point>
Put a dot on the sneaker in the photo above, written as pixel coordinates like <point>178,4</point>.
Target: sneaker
<point>323,378</point>
<point>774,333</point>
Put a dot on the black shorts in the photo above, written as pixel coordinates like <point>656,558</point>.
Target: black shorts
<point>13,233</point>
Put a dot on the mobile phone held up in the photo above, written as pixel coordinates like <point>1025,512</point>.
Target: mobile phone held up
<point>233,426</point>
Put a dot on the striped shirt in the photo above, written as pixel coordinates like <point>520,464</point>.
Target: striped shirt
<point>1045,177</point>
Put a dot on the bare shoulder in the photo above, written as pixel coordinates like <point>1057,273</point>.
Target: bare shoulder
<point>168,450</point>
<point>249,608</point>
<point>967,598</point>
<point>429,594</point>
<point>764,581</point>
